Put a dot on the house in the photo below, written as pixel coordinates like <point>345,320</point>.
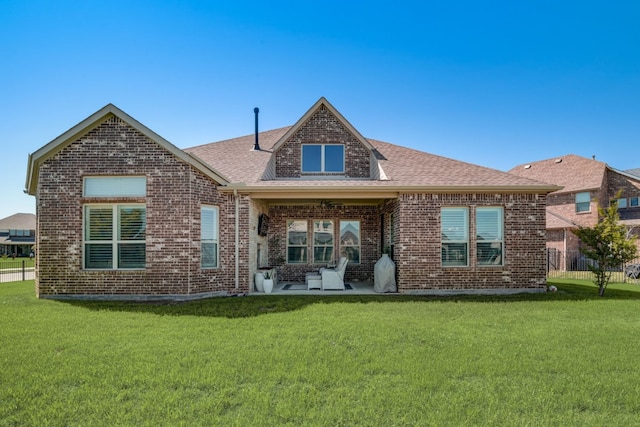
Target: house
<point>585,183</point>
<point>123,213</point>
<point>17,234</point>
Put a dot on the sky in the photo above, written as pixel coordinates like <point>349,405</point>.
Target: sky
<point>494,83</point>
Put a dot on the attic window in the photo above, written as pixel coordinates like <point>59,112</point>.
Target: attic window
<point>319,158</point>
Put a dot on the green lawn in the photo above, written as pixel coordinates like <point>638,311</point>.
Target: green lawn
<point>563,358</point>
<point>12,263</point>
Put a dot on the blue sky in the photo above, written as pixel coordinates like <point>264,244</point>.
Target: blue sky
<point>495,83</point>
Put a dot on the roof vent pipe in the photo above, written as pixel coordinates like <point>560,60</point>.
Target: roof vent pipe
<point>256,146</point>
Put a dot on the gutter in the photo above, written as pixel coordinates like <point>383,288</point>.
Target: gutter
<point>364,191</point>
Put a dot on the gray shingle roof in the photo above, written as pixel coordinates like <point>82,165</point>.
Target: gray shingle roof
<point>19,221</point>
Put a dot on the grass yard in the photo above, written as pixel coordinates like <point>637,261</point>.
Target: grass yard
<point>563,358</point>
<point>12,263</point>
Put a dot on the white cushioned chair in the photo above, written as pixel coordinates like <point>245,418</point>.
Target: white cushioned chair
<point>333,278</point>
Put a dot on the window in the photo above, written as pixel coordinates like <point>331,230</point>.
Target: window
<point>209,237</point>
<point>350,240</point>
<point>323,158</point>
<point>455,236</point>
<point>114,237</point>
<point>489,236</point>
<point>296,242</point>
<point>115,186</point>
<point>621,203</point>
<point>583,202</point>
<point>322,241</point>
<point>634,202</point>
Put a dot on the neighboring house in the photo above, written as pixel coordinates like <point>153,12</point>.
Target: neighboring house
<point>123,213</point>
<point>17,234</point>
<point>585,183</point>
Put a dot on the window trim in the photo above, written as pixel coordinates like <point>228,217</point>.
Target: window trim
<point>115,186</point>
<point>578,203</point>
<point>313,241</point>
<point>621,203</point>
<point>322,159</point>
<point>358,246</point>
<point>216,236</point>
<point>115,241</point>
<point>466,235</point>
<point>305,245</point>
<point>500,209</point>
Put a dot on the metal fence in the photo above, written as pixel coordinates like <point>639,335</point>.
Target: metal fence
<point>16,271</point>
<point>560,265</point>
<point>574,265</point>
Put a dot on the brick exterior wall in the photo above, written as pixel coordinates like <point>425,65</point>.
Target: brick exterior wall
<point>323,128</point>
<point>564,204</point>
<point>369,217</point>
<point>417,252</point>
<point>175,192</point>
<point>417,243</point>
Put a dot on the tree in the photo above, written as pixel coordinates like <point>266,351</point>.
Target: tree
<point>608,244</point>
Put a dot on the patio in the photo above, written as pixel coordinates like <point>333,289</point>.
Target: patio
<point>299,288</point>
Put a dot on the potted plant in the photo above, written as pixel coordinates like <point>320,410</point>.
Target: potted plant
<point>267,284</point>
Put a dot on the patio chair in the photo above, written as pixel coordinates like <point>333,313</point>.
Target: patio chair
<point>333,278</point>
<point>632,271</point>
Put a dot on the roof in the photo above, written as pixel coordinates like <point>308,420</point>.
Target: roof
<point>322,102</point>
<point>635,172</point>
<point>404,168</point>
<point>573,173</point>
<point>92,122</point>
<point>19,221</point>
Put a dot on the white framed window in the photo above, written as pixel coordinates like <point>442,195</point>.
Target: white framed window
<point>583,202</point>
<point>489,235</point>
<point>322,158</point>
<point>297,242</point>
<point>323,241</point>
<point>350,240</point>
<point>634,202</point>
<point>115,186</point>
<point>209,236</point>
<point>114,237</point>
<point>455,236</point>
<point>621,203</point>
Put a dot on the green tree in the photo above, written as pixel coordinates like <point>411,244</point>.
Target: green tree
<point>608,244</point>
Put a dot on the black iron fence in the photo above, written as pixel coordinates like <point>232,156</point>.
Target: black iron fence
<point>574,265</point>
<point>16,270</point>
<point>560,265</point>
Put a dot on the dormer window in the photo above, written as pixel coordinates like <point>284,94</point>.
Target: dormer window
<point>322,158</point>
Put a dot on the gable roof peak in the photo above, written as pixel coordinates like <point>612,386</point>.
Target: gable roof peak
<point>92,122</point>
<point>320,104</point>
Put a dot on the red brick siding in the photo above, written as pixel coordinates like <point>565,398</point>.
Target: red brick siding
<point>417,253</point>
<point>565,205</point>
<point>175,192</point>
<point>368,216</point>
<point>323,128</point>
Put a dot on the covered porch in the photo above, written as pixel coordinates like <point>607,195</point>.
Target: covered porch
<point>297,236</point>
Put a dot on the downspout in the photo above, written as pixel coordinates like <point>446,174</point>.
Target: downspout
<point>564,248</point>
<point>237,272</point>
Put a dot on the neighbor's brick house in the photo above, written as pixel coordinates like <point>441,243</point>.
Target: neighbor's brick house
<point>122,213</point>
<point>585,184</point>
